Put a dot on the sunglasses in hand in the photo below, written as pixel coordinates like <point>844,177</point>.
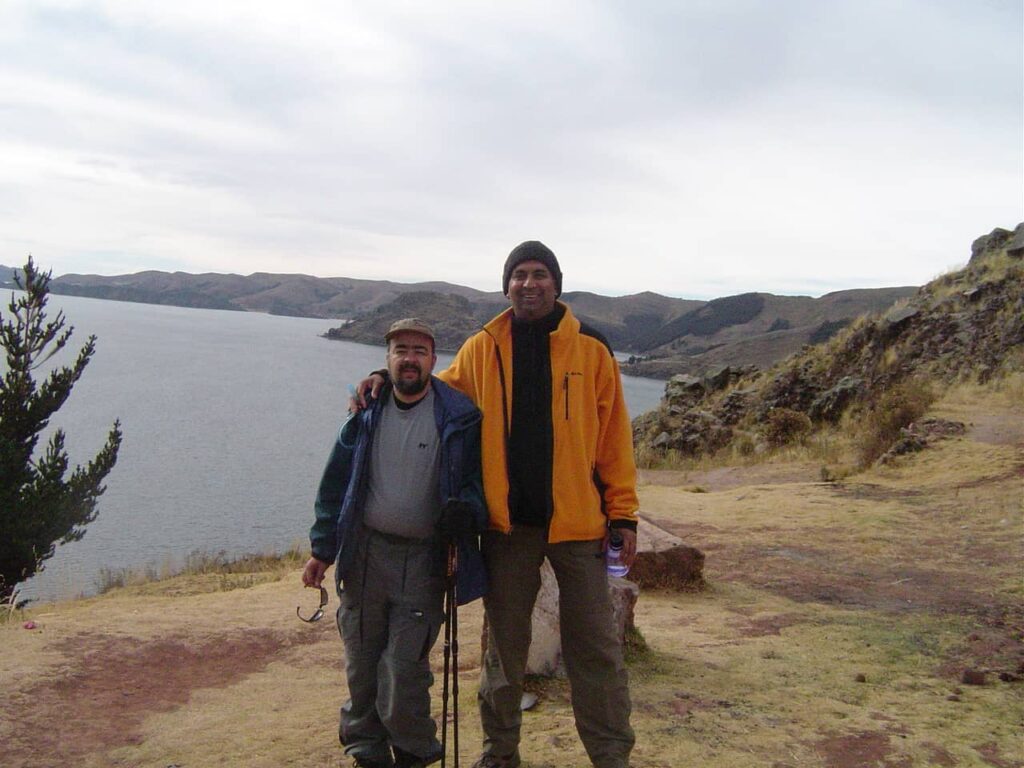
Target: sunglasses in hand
<point>318,613</point>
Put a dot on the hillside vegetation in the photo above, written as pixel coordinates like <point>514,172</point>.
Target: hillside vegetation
<point>868,383</point>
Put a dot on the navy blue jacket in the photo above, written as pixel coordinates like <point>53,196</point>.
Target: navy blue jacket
<point>339,500</point>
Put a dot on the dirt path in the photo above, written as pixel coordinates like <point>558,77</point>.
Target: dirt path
<point>108,686</point>
<point>725,478</point>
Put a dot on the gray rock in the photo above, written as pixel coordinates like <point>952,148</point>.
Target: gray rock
<point>663,440</point>
<point>898,316</point>
<point>993,241</point>
<point>734,406</point>
<point>659,553</point>
<point>829,405</point>
<point>545,656</point>
<point>1015,248</point>
<point>685,388</point>
<point>546,646</point>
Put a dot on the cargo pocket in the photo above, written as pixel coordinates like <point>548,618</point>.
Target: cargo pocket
<point>419,630</point>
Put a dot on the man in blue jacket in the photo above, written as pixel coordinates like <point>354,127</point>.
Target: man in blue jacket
<point>402,479</point>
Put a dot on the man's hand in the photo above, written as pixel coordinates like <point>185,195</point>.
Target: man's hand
<point>358,395</point>
<point>456,520</point>
<point>628,556</point>
<point>313,573</point>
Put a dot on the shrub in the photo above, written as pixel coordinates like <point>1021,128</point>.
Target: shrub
<point>745,446</point>
<point>897,408</point>
<point>785,426</point>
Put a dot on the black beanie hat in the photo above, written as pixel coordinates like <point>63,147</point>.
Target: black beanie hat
<point>532,250</point>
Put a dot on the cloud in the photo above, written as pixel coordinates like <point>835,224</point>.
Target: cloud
<point>697,149</point>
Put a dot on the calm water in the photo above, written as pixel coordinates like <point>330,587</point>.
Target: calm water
<point>227,421</point>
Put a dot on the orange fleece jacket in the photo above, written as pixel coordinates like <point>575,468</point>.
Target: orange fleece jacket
<point>590,425</point>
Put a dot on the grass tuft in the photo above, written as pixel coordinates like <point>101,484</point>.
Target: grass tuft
<point>896,409</point>
<point>231,571</point>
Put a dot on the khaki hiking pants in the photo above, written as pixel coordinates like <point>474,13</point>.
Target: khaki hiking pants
<point>391,612</point>
<point>590,646</point>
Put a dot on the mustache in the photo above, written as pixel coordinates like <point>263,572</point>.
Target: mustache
<point>410,367</point>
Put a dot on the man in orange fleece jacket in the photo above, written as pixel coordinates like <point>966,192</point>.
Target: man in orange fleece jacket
<point>558,475</point>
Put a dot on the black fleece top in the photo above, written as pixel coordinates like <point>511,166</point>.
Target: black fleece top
<point>531,445</point>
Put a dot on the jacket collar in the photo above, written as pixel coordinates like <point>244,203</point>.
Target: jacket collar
<point>502,323</point>
<point>451,408</point>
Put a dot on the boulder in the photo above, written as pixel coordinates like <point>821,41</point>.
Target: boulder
<point>995,240</point>
<point>663,561</point>
<point>624,594</point>
<point>734,406</point>
<point>897,317</point>
<point>795,387</point>
<point>829,405</point>
<point>920,435</point>
<point>546,645</point>
<point>683,388</point>
<point>545,656</point>
<point>663,440</point>
<point>1015,248</point>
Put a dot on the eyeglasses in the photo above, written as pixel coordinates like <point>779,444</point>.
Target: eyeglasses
<point>318,613</point>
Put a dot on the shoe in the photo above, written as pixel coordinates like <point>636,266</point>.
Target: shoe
<point>365,761</point>
<point>487,760</point>
<point>405,759</point>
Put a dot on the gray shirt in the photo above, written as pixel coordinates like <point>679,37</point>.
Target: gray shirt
<point>402,493</point>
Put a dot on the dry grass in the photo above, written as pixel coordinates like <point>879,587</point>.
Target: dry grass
<point>225,571</point>
<point>897,408</point>
<point>835,624</point>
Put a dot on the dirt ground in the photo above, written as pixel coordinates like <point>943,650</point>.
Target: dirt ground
<point>874,622</point>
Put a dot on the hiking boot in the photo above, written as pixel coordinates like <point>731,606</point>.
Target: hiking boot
<point>372,761</point>
<point>405,759</point>
<point>487,760</point>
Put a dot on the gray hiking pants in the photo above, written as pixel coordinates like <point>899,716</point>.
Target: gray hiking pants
<point>391,612</point>
<point>590,645</point>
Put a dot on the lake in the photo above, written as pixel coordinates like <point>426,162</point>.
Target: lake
<point>228,418</point>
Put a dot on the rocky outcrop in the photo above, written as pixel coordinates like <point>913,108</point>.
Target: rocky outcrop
<point>680,425</point>
<point>920,434</point>
<point>830,405</point>
<point>996,240</point>
<point>967,324</point>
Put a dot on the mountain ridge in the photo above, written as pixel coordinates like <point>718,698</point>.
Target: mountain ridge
<point>967,324</point>
<point>666,335</point>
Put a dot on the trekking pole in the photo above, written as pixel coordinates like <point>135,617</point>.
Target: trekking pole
<point>453,559</point>
<point>447,658</point>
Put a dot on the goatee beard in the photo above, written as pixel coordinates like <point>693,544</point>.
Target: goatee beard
<point>411,387</point>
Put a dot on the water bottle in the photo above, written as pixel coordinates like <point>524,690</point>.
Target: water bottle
<point>613,556</point>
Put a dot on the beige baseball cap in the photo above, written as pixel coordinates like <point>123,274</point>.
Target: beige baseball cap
<point>411,324</point>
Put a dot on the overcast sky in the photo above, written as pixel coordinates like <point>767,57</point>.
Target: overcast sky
<point>696,148</point>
